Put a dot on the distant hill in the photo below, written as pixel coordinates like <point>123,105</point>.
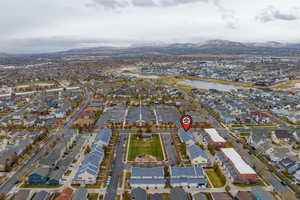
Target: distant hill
<point>3,54</point>
<point>217,47</point>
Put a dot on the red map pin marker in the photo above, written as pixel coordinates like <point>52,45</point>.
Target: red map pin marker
<point>186,122</point>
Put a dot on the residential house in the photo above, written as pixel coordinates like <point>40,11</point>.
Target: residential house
<point>220,196</point>
<point>277,154</point>
<point>22,195</point>
<point>261,194</point>
<point>43,195</point>
<point>290,165</point>
<point>89,168</point>
<point>186,137</point>
<point>80,194</point>
<point>38,176</point>
<point>177,193</point>
<point>139,194</point>
<point>259,140</point>
<point>187,176</point>
<point>65,194</point>
<point>55,177</point>
<point>199,196</point>
<point>147,177</point>
<point>156,196</point>
<point>103,137</point>
<point>197,155</point>
<point>281,136</point>
<point>241,195</point>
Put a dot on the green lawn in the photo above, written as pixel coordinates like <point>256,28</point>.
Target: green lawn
<point>214,179</point>
<point>40,186</point>
<point>93,196</point>
<point>258,183</point>
<point>151,147</point>
<point>166,196</point>
<point>245,134</point>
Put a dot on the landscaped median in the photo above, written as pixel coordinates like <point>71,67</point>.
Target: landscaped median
<point>214,179</point>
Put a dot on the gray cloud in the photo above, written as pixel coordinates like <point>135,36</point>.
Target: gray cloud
<point>144,3</point>
<point>271,14</point>
<point>228,15</point>
<point>114,4</point>
<point>111,4</point>
<point>166,3</point>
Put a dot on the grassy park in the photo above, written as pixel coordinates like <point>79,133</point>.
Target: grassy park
<point>150,147</point>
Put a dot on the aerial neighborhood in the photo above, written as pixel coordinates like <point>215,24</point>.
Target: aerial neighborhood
<point>157,127</point>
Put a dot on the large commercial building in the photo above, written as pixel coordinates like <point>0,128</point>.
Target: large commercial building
<point>215,138</point>
<point>235,166</point>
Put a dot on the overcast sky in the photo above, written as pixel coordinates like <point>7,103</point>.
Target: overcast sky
<point>51,25</point>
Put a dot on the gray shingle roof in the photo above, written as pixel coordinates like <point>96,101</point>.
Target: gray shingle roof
<point>195,152</point>
<point>80,194</point>
<point>147,172</point>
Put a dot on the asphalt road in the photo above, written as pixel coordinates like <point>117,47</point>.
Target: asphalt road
<point>170,149</point>
<point>117,168</point>
<point>11,182</point>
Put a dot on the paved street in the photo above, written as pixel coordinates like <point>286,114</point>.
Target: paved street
<point>10,183</point>
<point>118,167</point>
<point>170,149</point>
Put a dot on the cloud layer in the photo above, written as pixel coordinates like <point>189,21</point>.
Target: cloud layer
<point>45,25</point>
<point>271,14</point>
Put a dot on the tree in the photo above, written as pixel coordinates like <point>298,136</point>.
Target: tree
<point>2,196</point>
<point>211,149</point>
<point>7,166</point>
<point>227,188</point>
<point>15,158</point>
<point>87,150</point>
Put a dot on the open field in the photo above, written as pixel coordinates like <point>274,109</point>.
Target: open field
<point>151,147</point>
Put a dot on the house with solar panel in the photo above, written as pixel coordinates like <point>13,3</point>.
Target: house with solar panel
<point>89,168</point>
<point>186,137</point>
<point>187,177</point>
<point>197,155</point>
<point>103,137</point>
<point>147,177</point>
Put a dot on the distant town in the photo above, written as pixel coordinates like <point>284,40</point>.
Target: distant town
<point>105,124</point>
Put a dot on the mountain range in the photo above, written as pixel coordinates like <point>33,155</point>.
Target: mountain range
<point>225,47</point>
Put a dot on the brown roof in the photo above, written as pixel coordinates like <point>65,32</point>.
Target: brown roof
<point>83,121</point>
<point>65,194</point>
<point>93,109</point>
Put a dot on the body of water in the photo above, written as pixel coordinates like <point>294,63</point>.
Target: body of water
<point>209,85</point>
